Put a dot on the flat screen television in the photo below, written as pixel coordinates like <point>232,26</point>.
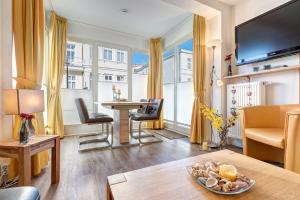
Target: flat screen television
<point>271,35</point>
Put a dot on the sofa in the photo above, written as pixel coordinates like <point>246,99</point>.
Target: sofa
<point>272,133</point>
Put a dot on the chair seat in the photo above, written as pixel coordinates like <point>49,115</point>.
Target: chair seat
<point>20,193</point>
<point>99,119</point>
<point>142,117</point>
<point>270,136</point>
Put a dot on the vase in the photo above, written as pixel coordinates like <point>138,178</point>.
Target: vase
<point>223,139</point>
<point>30,128</point>
<point>24,133</point>
<point>229,71</point>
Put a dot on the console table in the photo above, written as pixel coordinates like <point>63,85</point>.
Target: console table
<point>23,152</point>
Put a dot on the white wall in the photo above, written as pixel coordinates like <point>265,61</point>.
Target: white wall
<point>5,63</point>
<point>283,87</point>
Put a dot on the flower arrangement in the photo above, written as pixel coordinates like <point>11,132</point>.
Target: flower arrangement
<point>25,116</point>
<point>27,128</point>
<point>219,122</point>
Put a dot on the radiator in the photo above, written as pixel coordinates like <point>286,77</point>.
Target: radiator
<point>242,99</point>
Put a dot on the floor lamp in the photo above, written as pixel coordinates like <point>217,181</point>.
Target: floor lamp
<point>213,77</point>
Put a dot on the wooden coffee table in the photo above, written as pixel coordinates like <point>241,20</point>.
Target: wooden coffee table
<point>171,181</point>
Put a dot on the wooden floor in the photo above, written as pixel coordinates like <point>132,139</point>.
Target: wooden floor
<point>83,175</point>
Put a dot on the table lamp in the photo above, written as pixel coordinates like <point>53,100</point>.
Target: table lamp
<point>23,102</point>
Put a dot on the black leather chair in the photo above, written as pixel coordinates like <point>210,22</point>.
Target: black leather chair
<point>20,193</point>
<point>94,118</point>
<point>148,113</point>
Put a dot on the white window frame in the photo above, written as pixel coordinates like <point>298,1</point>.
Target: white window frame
<point>105,54</point>
<point>120,57</point>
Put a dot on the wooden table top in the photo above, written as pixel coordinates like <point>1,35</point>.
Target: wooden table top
<point>34,140</point>
<point>171,180</point>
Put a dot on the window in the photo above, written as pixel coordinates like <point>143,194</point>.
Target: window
<point>71,82</point>
<point>111,74</point>
<point>120,57</point>
<point>177,84</point>
<point>140,67</point>
<point>120,78</point>
<point>169,84</point>
<point>108,77</point>
<point>70,53</point>
<point>78,63</point>
<point>77,80</point>
<point>184,84</point>
<point>107,54</point>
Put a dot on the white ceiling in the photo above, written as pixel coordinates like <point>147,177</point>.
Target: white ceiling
<point>230,2</point>
<point>146,18</point>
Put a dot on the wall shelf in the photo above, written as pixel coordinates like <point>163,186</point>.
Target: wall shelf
<point>268,71</point>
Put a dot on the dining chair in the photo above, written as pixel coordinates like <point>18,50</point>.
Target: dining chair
<point>91,119</point>
<point>148,113</point>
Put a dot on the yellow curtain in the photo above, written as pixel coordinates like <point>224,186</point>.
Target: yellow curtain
<point>197,131</point>
<point>57,54</point>
<point>155,85</point>
<point>28,33</point>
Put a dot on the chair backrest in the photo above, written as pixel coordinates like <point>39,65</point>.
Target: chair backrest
<point>82,110</point>
<point>144,108</point>
<point>155,110</point>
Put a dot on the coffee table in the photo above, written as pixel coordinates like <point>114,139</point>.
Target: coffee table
<point>171,181</point>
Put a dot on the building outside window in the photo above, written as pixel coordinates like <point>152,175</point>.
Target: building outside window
<point>107,54</point>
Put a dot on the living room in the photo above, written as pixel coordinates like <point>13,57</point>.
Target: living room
<point>110,99</point>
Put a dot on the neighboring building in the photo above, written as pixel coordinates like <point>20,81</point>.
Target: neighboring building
<point>186,65</point>
<point>185,69</point>
<point>140,69</point>
<point>112,65</point>
<point>78,66</point>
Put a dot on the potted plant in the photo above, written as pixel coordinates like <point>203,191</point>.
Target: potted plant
<point>219,122</point>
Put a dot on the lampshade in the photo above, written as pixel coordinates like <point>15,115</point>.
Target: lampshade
<point>214,43</point>
<point>17,101</point>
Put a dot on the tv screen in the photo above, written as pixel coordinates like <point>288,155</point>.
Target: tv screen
<point>273,34</point>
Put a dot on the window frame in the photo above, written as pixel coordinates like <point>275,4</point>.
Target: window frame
<point>174,124</point>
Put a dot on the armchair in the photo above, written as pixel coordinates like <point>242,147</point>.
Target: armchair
<point>272,133</point>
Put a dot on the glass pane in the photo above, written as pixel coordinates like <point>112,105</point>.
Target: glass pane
<point>140,66</point>
<point>169,84</point>
<point>77,80</point>
<point>111,73</point>
<point>185,92</point>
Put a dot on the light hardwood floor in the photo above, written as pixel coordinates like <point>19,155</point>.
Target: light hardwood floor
<point>83,175</point>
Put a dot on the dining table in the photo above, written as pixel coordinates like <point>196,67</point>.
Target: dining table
<point>121,121</point>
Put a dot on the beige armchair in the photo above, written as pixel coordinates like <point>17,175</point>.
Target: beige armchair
<point>272,133</point>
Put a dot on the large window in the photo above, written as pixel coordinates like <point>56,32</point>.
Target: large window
<point>178,85</point>
<point>112,72</point>
<point>140,66</point>
<point>77,80</point>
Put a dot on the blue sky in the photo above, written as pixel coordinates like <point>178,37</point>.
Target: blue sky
<point>142,58</point>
